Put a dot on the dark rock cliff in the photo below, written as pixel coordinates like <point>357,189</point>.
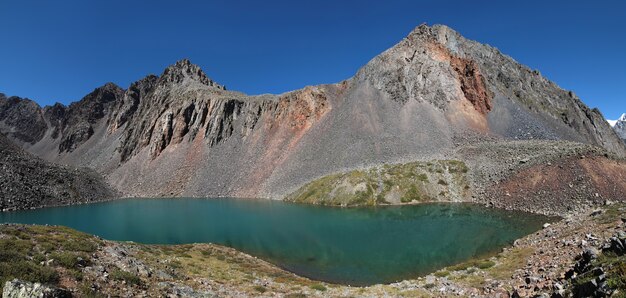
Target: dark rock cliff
<point>75,124</point>
<point>29,182</point>
<point>22,119</point>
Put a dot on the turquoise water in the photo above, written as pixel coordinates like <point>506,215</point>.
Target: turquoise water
<point>356,246</point>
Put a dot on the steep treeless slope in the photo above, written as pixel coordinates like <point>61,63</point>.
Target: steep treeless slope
<point>183,134</point>
<point>27,181</point>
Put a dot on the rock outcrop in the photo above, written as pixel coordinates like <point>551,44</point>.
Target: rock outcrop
<point>23,289</point>
<point>183,134</point>
<point>22,119</point>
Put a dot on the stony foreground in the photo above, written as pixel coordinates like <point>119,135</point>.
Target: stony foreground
<point>574,256</point>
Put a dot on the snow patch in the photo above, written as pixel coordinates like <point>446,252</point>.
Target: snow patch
<point>614,122</point>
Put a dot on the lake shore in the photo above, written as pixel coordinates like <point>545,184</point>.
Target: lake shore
<point>330,244</point>
<point>535,264</point>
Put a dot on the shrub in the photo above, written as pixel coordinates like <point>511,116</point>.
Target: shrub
<point>481,264</point>
<point>319,287</point>
<point>485,264</point>
<point>442,273</point>
<point>616,277</point>
<point>27,271</point>
<point>413,193</point>
<point>205,253</point>
<point>69,260</point>
<point>11,249</point>
<point>422,177</point>
<point>87,291</point>
<point>125,276</point>
<point>80,245</point>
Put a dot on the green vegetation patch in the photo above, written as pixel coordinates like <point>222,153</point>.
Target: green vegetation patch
<point>319,287</point>
<point>121,275</point>
<point>24,251</point>
<point>617,277</point>
<point>611,213</point>
<point>615,270</point>
<point>397,183</point>
<point>442,273</point>
<point>480,264</point>
<point>27,271</point>
<point>70,259</point>
<point>474,272</point>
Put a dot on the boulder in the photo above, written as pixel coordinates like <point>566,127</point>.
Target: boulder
<point>23,289</point>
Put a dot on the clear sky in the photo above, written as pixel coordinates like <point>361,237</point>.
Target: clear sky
<point>61,50</point>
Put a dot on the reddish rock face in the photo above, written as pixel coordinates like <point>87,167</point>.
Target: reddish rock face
<point>467,72</point>
<point>567,181</point>
<point>472,84</point>
<point>299,109</point>
<point>286,124</point>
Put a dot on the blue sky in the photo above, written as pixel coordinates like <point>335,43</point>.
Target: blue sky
<point>61,50</point>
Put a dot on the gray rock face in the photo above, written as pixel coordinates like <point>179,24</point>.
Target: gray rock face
<point>184,71</point>
<point>22,119</point>
<point>559,113</point>
<point>74,124</point>
<point>619,126</point>
<point>22,289</point>
<point>182,134</point>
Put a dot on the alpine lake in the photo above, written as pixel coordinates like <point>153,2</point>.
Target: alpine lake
<point>355,246</point>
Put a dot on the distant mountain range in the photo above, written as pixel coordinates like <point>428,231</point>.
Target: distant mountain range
<point>433,96</point>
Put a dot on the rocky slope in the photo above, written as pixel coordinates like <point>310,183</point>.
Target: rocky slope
<point>619,126</point>
<point>182,134</point>
<point>28,182</point>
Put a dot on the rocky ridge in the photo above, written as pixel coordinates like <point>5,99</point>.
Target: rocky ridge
<point>421,100</point>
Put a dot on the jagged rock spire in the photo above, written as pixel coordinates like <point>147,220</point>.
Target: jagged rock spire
<point>183,70</point>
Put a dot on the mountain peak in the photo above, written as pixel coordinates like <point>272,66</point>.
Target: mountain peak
<point>621,119</point>
<point>434,30</point>
<point>184,71</point>
<point>619,126</point>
